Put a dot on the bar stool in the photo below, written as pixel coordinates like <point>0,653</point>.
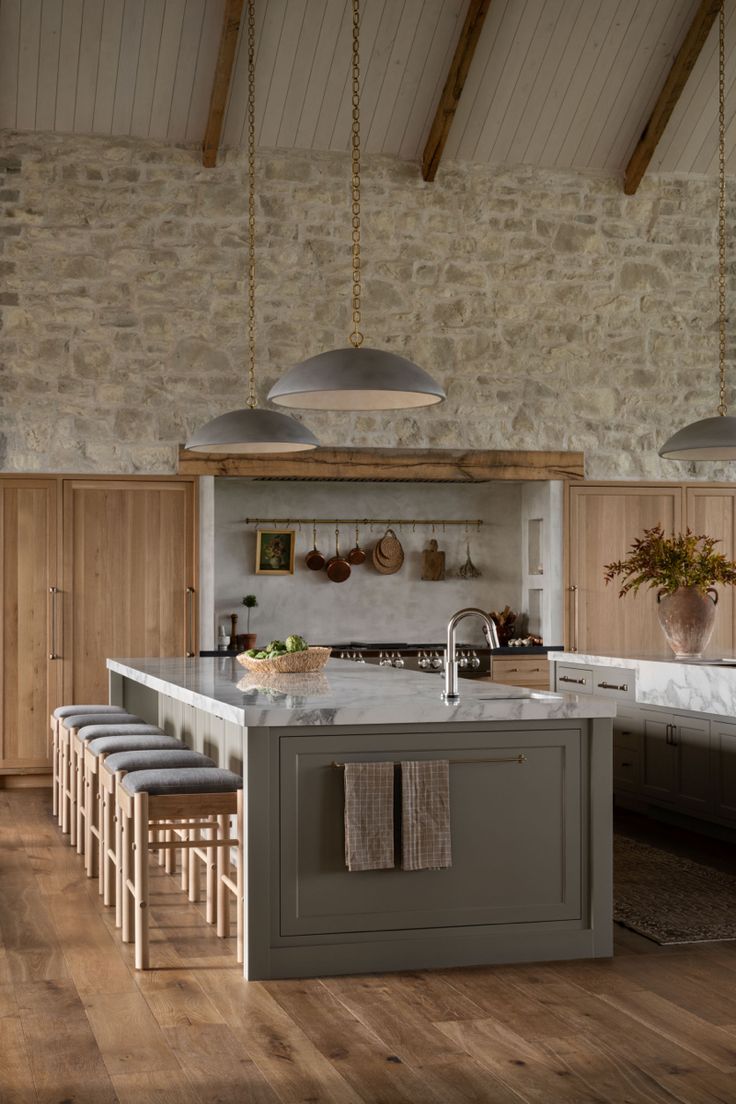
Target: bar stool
<point>88,804</point>
<point>110,770</point>
<point>149,799</point>
<point>59,713</point>
<point>68,776</point>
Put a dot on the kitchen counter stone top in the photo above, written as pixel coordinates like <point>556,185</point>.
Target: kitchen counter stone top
<point>345,694</point>
<point>697,686</point>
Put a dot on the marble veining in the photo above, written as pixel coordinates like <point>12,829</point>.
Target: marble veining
<point>345,694</point>
<point>669,682</point>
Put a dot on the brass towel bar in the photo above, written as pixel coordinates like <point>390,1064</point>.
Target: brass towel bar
<point>453,762</point>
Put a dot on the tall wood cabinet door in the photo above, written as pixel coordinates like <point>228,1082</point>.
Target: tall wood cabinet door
<point>28,569</point>
<point>724,764</point>
<point>712,511</point>
<point>602,523</point>
<point>129,576</point>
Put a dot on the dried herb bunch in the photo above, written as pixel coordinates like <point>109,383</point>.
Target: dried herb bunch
<point>683,560</point>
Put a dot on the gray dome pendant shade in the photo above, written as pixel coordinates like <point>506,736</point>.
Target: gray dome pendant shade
<point>713,438</point>
<point>356,378</point>
<point>250,430</point>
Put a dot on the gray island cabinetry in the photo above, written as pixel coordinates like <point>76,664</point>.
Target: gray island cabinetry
<point>674,736</point>
<point>530,811</point>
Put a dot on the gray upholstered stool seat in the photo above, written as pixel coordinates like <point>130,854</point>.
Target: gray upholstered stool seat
<point>189,781</point>
<point>146,741</point>
<point>80,720</point>
<point>71,710</point>
<point>125,728</point>
<point>161,758</point>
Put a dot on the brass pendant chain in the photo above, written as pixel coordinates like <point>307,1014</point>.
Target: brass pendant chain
<point>356,337</point>
<point>722,407</point>
<point>251,206</point>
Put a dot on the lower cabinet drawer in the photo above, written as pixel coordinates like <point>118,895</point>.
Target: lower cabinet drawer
<point>626,767</point>
<point>533,672</point>
<point>615,682</point>
<point>578,680</point>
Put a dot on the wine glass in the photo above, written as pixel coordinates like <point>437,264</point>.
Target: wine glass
<point>474,660</point>
<point>398,660</point>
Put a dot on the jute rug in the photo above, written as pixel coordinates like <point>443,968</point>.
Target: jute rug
<point>670,899</point>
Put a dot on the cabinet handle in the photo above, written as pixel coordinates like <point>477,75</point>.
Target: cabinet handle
<point>667,728</point>
<point>671,735</point>
<point>674,735</point>
<point>190,622</point>
<point>613,686</point>
<point>574,591</point>
<point>566,678</point>
<point>53,591</point>
<point>626,764</point>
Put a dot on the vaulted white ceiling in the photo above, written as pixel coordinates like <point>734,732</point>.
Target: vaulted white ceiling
<point>565,83</point>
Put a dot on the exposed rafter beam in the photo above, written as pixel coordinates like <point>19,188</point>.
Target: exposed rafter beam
<point>451,93</point>
<point>221,83</point>
<point>672,89</point>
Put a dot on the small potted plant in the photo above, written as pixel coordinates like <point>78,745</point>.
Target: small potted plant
<point>248,639</point>
<point>685,569</point>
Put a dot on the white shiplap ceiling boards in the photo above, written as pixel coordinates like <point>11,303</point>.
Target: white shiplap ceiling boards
<point>564,83</point>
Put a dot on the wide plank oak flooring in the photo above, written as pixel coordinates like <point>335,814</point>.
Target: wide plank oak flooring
<point>78,1025</point>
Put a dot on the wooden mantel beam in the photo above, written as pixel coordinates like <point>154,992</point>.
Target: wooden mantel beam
<point>221,82</point>
<point>451,93</point>
<point>391,465</point>
<point>672,89</point>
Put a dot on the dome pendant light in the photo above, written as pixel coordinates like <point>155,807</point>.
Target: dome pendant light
<point>252,430</point>
<point>356,378</point>
<point>713,438</point>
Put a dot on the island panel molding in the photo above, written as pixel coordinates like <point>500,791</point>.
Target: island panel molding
<point>385,464</point>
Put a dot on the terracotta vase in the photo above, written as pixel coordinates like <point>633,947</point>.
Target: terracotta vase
<point>687,616</point>
<point>246,641</point>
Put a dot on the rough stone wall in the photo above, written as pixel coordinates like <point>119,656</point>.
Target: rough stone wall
<point>557,312</point>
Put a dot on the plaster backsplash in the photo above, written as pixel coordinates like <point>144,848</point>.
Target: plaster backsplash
<point>368,606</point>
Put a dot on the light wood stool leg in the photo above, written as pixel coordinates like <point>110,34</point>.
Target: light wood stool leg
<point>194,834</point>
<point>240,879</point>
<point>54,768</point>
<point>126,896</point>
<point>210,855</point>
<point>140,878</point>
<point>64,795</point>
<point>223,870</point>
<point>170,862</point>
<point>90,806</point>
<point>107,848</point>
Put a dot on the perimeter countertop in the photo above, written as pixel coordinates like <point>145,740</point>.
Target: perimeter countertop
<point>345,694</point>
<point>698,686</point>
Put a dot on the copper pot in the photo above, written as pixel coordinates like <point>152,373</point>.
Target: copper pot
<point>356,555</point>
<point>314,559</point>
<point>338,568</point>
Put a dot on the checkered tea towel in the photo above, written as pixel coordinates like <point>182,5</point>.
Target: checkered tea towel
<point>369,816</point>
<point>425,815</point>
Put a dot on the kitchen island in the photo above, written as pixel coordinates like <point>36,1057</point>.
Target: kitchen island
<point>530,807</point>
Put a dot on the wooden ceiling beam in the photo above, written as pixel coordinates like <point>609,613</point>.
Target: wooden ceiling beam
<point>391,465</point>
<point>221,82</point>
<point>451,93</point>
<point>672,89</point>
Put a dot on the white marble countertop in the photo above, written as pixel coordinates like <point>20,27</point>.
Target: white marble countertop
<point>346,694</point>
<point>698,686</point>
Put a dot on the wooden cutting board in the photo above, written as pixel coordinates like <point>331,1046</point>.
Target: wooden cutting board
<point>433,563</point>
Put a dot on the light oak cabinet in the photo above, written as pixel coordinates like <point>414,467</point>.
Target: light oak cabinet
<point>524,670</point>
<point>29,641</point>
<point>129,576</point>
<point>602,521</point>
<point>88,568</point>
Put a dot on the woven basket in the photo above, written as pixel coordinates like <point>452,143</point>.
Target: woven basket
<point>292,663</point>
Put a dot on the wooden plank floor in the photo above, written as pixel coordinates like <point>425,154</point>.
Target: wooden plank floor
<point>77,1024</point>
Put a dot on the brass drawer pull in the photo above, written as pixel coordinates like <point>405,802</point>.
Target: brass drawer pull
<point>613,686</point>
<point>566,678</point>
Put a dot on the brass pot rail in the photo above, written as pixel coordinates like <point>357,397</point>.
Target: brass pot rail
<point>456,762</point>
<point>363,522</point>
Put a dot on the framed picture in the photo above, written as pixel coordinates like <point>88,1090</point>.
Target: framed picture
<point>275,551</point>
